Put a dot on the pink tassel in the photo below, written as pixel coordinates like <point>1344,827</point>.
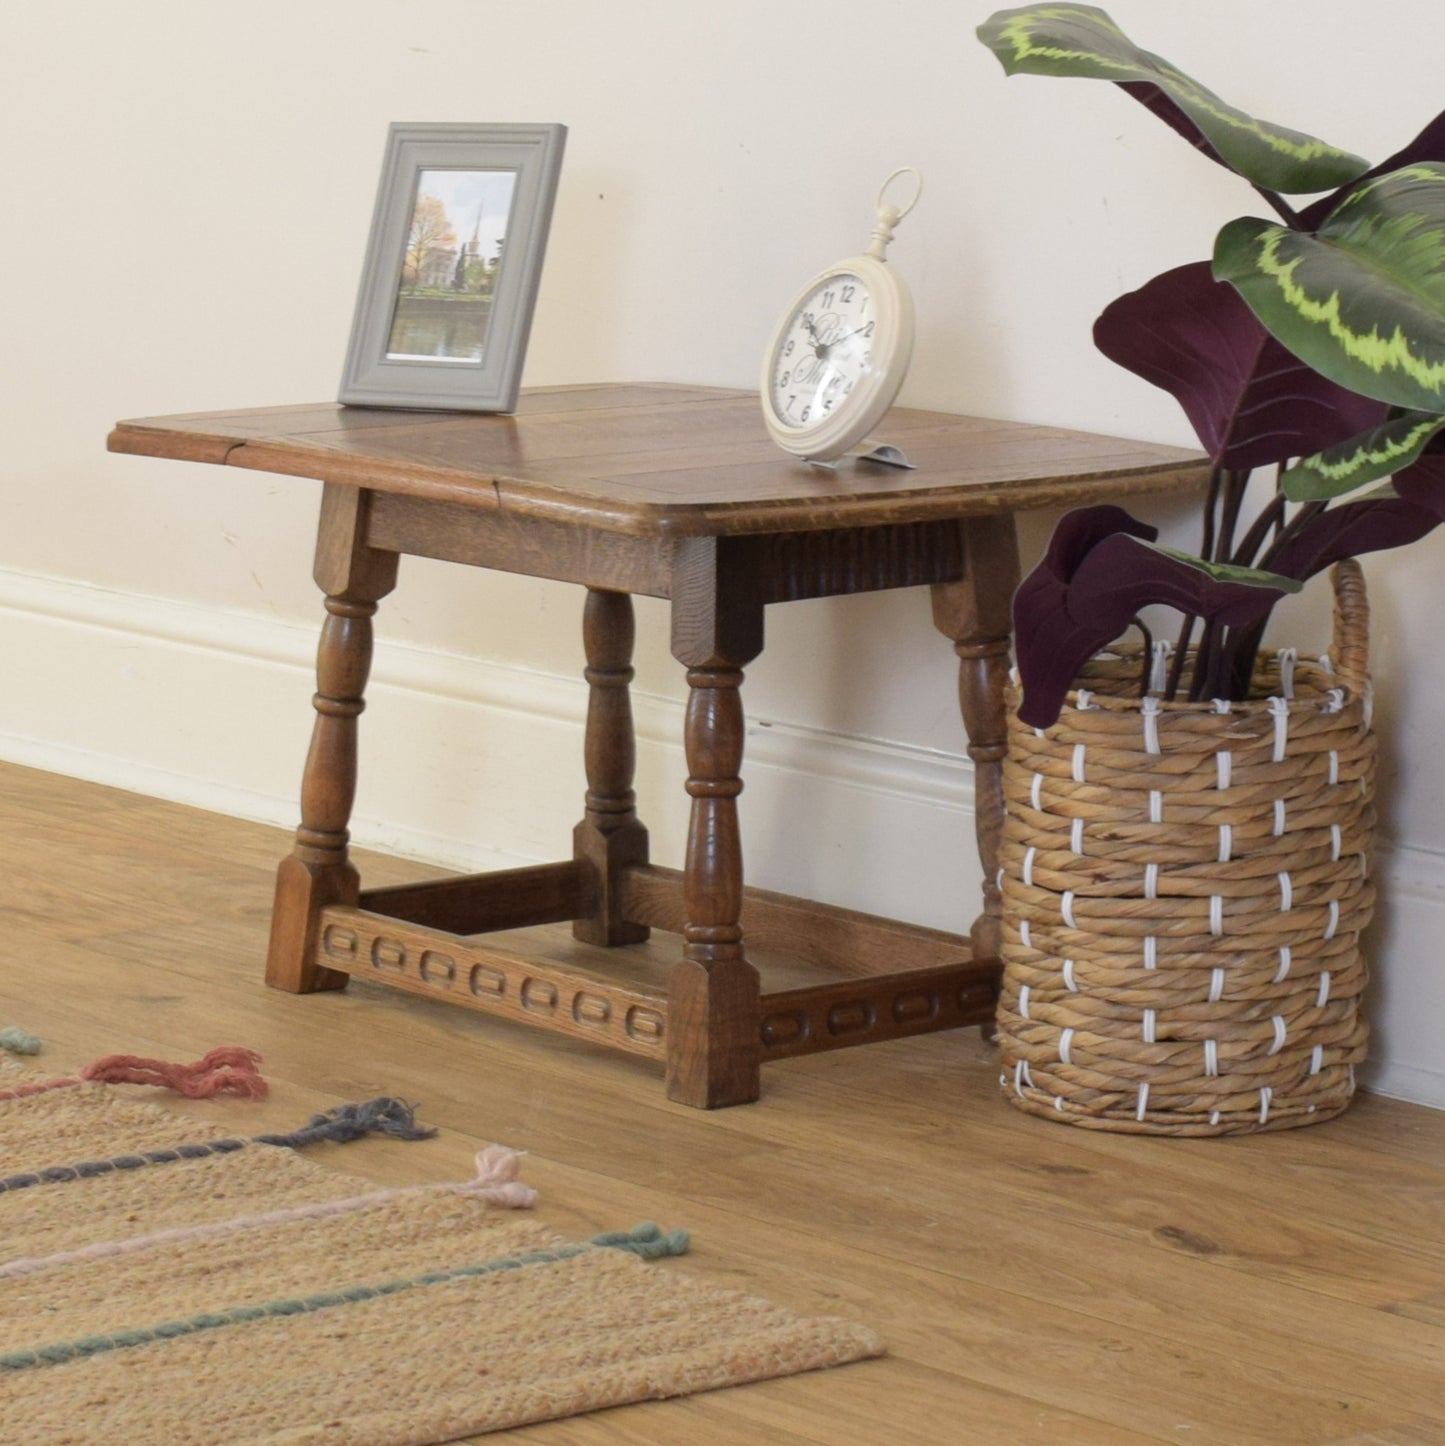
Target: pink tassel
<point>497,1183</point>
<point>229,1070</point>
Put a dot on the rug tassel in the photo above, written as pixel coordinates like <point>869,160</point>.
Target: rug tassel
<point>497,1169</point>
<point>646,1240</point>
<point>229,1070</point>
<point>18,1041</point>
<point>384,1116</point>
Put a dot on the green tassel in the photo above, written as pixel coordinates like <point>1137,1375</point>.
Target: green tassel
<point>18,1041</point>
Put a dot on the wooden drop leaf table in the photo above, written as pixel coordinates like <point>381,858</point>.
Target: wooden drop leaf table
<point>669,492</point>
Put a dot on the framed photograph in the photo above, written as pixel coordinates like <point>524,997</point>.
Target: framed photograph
<point>452,267</point>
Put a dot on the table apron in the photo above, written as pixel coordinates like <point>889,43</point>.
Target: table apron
<point>535,547</point>
<point>766,567</point>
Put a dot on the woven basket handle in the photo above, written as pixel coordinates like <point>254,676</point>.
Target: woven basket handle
<point>1351,648</point>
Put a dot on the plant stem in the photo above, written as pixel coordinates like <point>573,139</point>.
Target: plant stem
<point>1148,653</point>
<point>1235,484</point>
<point>1271,517</point>
<point>1281,208</point>
<point>1308,511</point>
<point>1211,506</point>
<point>1203,661</point>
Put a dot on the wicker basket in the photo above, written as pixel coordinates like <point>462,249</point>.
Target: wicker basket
<point>1184,886</point>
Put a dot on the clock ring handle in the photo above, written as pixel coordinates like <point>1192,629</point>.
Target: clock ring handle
<point>917,191</point>
<point>889,215</point>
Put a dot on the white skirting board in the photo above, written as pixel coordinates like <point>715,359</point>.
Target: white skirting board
<point>475,764</point>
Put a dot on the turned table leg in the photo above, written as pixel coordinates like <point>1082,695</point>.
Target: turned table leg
<point>610,837</point>
<point>713,1008</point>
<point>318,872</point>
<point>975,613</point>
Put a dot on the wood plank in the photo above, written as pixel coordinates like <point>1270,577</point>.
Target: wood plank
<point>479,903</point>
<point>668,462</point>
<point>1034,1282</point>
<point>843,941</point>
<point>493,980</point>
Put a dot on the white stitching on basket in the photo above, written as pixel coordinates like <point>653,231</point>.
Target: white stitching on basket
<point>1066,907</point>
<point>1159,673</point>
<point>1317,1059</point>
<point>1151,952</point>
<point>1286,893</point>
<point>1026,934</point>
<point>1266,1094</point>
<point>1334,765</point>
<point>1148,1026</point>
<point>1143,1104</point>
<point>1216,914</point>
<point>1288,658</point>
<point>1336,842</point>
<point>1069,977</point>
<point>1285,957</point>
<point>1226,842</point>
<point>1280,1034</point>
<point>1079,763</point>
<point>1334,919</point>
<point>1066,1044</point>
<point>1280,709</point>
<point>1151,881</point>
<point>1029,866</point>
<point>1083,700</point>
<point>1023,1001</point>
<point>1216,985</point>
<point>1225,761</point>
<point>1036,793</point>
<point>1156,805</point>
<point>1279,818</point>
<point>1076,837</point>
<point>1149,711</point>
<point>1324,996</point>
<point>1211,1056</point>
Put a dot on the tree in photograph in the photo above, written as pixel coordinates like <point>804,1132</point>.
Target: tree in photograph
<point>429,229</point>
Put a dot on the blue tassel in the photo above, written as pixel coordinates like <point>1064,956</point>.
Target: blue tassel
<point>384,1116</point>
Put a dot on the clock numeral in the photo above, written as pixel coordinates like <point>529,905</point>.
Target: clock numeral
<point>827,297</point>
<point>868,330</point>
<point>788,350</point>
<point>784,379</point>
<point>806,410</point>
<point>848,294</point>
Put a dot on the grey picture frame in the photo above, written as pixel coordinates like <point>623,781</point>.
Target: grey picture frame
<point>379,372</point>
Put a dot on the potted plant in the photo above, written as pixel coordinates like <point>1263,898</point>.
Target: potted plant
<point>1189,829</point>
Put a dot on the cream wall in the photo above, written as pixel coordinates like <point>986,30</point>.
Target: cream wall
<point>188,189</point>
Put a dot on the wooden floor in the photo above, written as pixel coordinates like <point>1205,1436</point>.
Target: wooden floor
<point>1036,1283</point>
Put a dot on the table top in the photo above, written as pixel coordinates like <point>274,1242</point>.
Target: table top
<point>668,460</point>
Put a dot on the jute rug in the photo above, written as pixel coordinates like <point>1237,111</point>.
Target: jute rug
<point>164,1282</point>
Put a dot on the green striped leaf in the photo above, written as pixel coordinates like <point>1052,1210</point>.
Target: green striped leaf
<point>1082,40</point>
<point>1226,571</point>
<point>1361,300</point>
<point>1380,452</point>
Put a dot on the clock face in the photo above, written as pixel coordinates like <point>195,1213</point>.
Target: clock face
<point>824,350</point>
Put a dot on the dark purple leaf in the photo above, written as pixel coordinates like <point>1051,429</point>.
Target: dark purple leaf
<point>1077,533</point>
<point>1429,145</point>
<point>1354,528</point>
<point>1063,616</point>
<point>1423,482</point>
<point>1250,401</point>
